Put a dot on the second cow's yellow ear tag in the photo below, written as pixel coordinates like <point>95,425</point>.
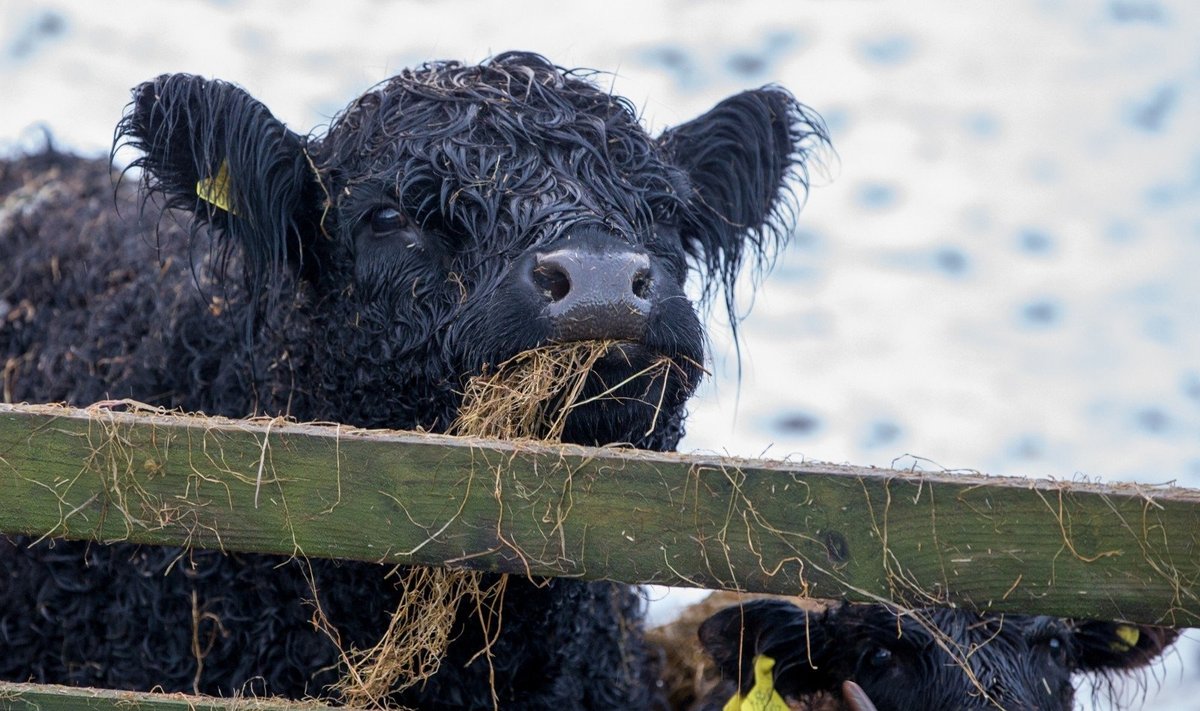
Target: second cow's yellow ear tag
<point>1127,638</point>
<point>762,696</point>
<point>215,190</point>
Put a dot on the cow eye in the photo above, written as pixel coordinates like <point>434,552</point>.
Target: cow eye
<point>387,219</point>
<point>879,657</point>
<point>1056,647</point>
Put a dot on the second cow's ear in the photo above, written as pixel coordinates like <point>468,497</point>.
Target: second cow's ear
<point>210,148</point>
<point>794,638</point>
<point>747,160</point>
<point>1108,646</point>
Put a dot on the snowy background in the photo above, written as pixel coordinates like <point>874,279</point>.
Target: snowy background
<point>999,271</point>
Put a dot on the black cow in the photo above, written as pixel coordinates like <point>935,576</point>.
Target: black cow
<point>449,218</point>
<point>935,659</point>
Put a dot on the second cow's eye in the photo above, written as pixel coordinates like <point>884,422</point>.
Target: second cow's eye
<point>386,220</point>
<point>879,658</point>
<point>1055,646</point>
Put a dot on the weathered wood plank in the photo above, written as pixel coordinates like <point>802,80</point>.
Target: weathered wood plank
<point>39,697</point>
<point>1019,545</point>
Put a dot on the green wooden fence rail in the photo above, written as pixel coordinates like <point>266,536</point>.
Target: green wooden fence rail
<point>47,697</point>
<point>991,543</point>
<point>916,538</point>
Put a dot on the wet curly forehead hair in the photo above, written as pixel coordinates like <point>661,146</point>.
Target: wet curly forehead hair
<point>510,146</point>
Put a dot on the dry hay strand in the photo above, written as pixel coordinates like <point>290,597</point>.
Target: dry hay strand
<point>121,465</point>
<point>526,397</point>
<point>530,395</point>
<point>418,633</point>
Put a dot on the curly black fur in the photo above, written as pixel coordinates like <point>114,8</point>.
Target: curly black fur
<point>920,659</point>
<point>359,276</point>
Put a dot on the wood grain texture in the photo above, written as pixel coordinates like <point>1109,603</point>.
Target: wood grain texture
<point>915,538</point>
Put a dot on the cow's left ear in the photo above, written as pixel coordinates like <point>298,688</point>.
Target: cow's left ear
<point>211,149</point>
<point>747,160</point>
<point>1106,646</point>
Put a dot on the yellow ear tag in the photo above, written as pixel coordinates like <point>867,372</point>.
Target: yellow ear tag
<point>762,696</point>
<point>1128,635</point>
<point>215,190</point>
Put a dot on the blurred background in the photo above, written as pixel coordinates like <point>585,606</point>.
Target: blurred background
<point>997,272</point>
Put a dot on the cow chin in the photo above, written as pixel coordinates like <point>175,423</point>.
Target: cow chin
<point>634,395</point>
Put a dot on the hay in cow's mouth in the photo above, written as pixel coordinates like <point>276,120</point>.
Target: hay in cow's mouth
<point>526,397</point>
<point>530,395</point>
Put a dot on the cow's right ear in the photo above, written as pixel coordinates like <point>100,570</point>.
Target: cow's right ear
<point>210,148</point>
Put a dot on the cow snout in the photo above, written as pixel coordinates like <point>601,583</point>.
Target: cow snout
<point>594,294</point>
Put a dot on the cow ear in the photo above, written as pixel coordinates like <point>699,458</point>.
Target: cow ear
<point>211,149</point>
<point>793,637</point>
<point>1107,646</point>
<point>747,160</point>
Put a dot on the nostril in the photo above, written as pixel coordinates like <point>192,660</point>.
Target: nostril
<point>641,284</point>
<point>552,279</point>
<point>587,293</point>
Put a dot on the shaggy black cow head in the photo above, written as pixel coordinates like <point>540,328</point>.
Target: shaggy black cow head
<point>457,215</point>
<point>933,659</point>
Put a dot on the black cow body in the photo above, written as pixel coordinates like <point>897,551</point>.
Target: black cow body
<point>449,219</point>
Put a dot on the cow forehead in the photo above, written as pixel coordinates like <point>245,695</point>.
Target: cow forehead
<point>506,145</point>
<point>925,629</point>
<point>977,630</point>
<point>496,105</point>
<point>963,649</point>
